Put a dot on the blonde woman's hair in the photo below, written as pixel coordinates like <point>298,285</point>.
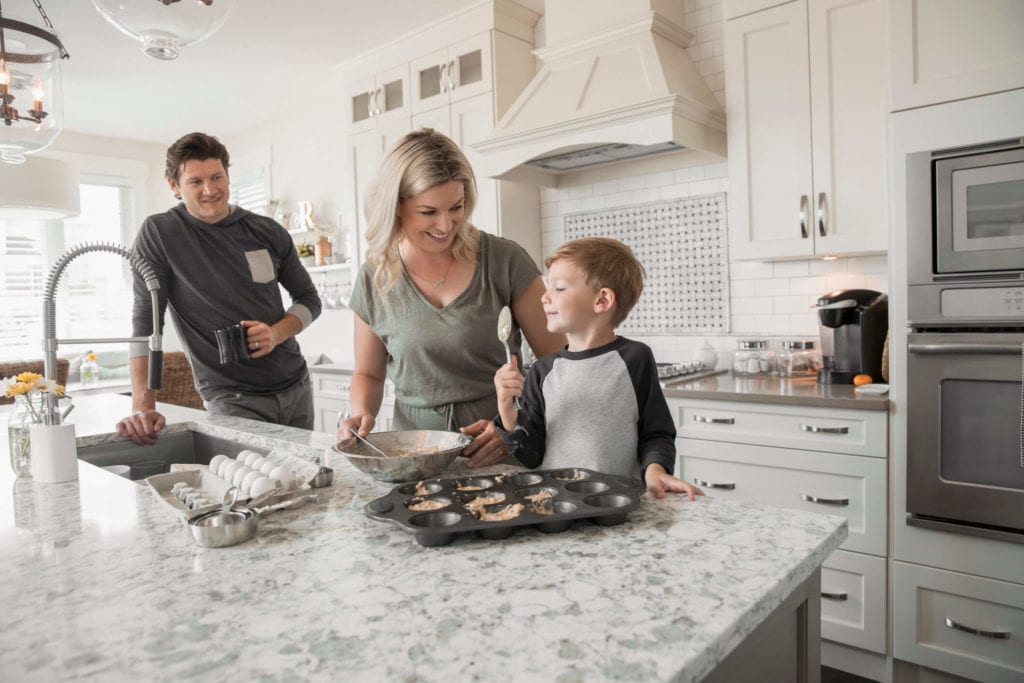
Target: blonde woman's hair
<point>419,161</point>
<point>609,263</point>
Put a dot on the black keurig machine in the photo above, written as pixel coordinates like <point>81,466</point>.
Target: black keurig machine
<point>853,323</point>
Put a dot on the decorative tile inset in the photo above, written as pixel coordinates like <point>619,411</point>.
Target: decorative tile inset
<point>682,245</point>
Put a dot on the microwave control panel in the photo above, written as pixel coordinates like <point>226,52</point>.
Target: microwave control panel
<point>983,303</point>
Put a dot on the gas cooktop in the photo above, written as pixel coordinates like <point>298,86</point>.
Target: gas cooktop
<point>674,373</point>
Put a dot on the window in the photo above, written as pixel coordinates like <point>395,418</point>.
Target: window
<point>94,295</point>
<point>250,180</point>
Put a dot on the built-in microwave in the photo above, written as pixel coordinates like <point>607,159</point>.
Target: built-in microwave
<point>978,196</point>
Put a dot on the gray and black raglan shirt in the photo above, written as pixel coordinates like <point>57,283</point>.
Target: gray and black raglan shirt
<point>213,275</point>
<point>601,409</point>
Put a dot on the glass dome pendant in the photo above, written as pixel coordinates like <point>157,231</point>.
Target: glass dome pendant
<point>31,111</point>
<point>165,26</point>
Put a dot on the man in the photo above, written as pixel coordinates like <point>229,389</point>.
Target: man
<point>220,265</point>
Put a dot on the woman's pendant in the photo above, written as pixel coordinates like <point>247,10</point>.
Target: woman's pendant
<point>440,283</point>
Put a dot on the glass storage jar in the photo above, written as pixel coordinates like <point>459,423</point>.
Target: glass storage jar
<point>28,411</point>
<point>798,358</point>
<point>753,357</point>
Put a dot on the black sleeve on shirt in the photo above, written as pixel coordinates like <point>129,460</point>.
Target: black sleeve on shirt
<point>528,440</point>
<point>293,276</point>
<point>656,431</point>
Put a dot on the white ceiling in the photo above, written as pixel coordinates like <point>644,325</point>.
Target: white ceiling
<point>230,82</point>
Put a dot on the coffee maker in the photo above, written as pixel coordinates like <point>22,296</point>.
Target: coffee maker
<point>853,323</point>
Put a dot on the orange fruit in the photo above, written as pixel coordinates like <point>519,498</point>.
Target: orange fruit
<point>862,379</point>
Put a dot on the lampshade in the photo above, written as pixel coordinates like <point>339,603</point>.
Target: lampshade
<point>39,189</point>
<point>164,26</point>
<point>31,113</point>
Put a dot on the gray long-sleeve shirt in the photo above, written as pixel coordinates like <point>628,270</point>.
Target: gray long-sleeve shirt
<point>213,275</point>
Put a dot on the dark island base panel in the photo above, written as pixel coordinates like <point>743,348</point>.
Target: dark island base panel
<point>785,647</point>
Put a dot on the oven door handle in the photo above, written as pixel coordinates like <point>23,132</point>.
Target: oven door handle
<point>938,349</point>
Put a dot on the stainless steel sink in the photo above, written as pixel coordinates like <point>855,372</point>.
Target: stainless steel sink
<point>177,447</point>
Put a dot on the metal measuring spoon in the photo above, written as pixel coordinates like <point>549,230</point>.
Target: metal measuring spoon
<point>504,332</point>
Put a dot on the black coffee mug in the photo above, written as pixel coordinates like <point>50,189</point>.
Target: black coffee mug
<point>232,343</point>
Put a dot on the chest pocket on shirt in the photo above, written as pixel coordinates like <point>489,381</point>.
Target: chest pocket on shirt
<point>261,266</point>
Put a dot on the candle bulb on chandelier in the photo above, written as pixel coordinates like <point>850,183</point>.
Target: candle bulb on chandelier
<point>37,94</point>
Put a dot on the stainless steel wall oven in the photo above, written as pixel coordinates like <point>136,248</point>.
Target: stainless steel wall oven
<point>965,360</point>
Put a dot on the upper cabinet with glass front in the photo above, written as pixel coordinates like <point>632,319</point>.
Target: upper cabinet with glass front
<point>451,74</point>
<point>380,98</point>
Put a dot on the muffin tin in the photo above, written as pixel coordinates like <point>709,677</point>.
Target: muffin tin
<point>437,510</point>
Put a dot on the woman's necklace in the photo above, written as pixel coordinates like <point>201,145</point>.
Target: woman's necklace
<point>437,283</point>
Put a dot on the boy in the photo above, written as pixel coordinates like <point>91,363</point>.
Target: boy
<point>597,403</point>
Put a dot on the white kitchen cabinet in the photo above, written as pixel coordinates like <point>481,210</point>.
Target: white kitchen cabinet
<point>945,50</point>
<point>460,88</point>
<point>962,624</point>
<point>810,458</point>
<point>331,389</point>
<point>380,98</point>
<point>366,150</point>
<point>453,73</point>
<point>807,106</point>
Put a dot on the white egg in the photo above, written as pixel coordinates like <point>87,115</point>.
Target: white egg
<point>228,473</point>
<point>216,461</point>
<point>283,475</point>
<point>239,475</point>
<point>268,467</point>
<point>246,457</point>
<point>223,466</point>
<point>257,463</point>
<point>262,485</point>
<point>252,476</point>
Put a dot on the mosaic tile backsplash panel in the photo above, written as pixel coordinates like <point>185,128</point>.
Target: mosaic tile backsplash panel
<point>682,244</point>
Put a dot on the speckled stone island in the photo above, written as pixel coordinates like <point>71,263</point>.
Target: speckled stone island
<point>100,581</point>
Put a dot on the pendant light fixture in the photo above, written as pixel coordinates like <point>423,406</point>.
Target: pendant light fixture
<point>31,110</point>
<point>39,189</point>
<point>165,26</point>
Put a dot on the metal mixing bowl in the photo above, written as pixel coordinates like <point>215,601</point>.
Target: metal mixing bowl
<point>412,454</point>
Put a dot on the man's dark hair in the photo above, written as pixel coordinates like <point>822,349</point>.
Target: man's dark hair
<point>197,146</point>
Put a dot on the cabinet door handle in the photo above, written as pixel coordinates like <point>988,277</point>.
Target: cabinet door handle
<point>711,485</point>
<point>803,216</point>
<point>842,502</point>
<point>825,430</point>
<point>451,78</point>
<point>838,597</point>
<point>1001,635</point>
<point>443,78</point>
<point>821,214</point>
<point>714,420</point>
<point>378,94</point>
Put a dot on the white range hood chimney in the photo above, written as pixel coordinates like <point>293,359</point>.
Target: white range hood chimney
<point>615,83</point>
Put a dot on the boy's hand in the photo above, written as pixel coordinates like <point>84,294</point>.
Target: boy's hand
<point>659,481</point>
<point>508,384</point>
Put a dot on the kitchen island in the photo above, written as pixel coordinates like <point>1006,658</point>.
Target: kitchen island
<point>101,581</point>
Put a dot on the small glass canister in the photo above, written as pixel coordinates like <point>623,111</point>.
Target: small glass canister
<point>753,357</point>
<point>28,411</point>
<point>798,358</point>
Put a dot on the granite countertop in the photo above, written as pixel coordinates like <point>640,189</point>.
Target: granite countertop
<point>795,391</point>
<point>101,581</point>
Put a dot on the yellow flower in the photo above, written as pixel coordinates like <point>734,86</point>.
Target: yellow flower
<point>28,377</point>
<point>18,388</point>
<point>28,382</point>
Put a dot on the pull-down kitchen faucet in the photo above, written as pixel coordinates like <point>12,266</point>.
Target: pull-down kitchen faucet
<point>50,342</point>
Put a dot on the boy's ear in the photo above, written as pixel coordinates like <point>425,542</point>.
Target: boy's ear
<point>605,300</point>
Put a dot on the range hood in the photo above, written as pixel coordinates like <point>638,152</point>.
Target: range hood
<point>614,83</point>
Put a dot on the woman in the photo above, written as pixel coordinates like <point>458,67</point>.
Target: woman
<point>428,297</point>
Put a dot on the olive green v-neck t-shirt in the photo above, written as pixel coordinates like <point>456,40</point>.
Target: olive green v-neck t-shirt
<point>442,360</point>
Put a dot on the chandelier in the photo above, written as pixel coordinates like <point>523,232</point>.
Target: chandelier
<point>31,112</point>
<point>165,26</point>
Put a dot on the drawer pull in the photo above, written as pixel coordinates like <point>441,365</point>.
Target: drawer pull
<point>714,420</point>
<point>1001,635</point>
<point>840,597</point>
<point>824,501</point>
<point>825,430</point>
<point>707,484</point>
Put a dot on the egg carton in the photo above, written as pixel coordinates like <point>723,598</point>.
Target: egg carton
<point>197,489</point>
<point>437,510</point>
